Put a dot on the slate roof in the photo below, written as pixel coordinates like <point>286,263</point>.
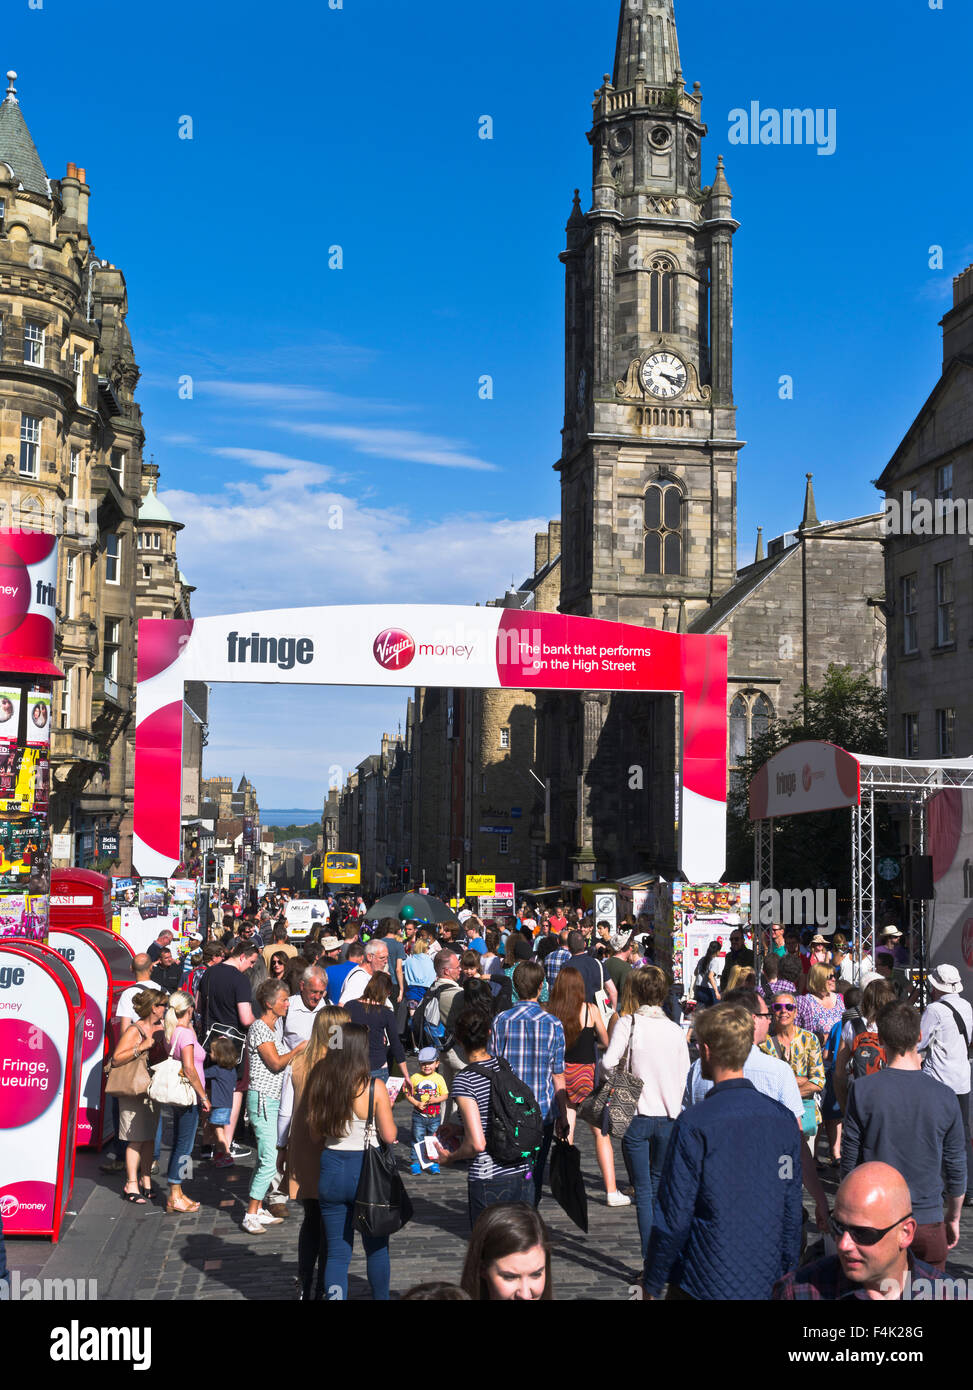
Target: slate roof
<point>19,151</point>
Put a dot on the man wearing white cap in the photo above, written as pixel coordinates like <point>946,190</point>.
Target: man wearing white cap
<point>947,1029</point>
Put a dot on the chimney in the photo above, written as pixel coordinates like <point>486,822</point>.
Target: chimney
<point>957,325</point>
<point>541,550</point>
<point>83,194</point>
<point>70,195</point>
<point>554,531</point>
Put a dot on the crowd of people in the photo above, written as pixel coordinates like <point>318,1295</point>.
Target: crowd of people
<point>786,1061</point>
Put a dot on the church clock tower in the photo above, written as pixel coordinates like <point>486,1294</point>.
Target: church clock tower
<point>648,464</point>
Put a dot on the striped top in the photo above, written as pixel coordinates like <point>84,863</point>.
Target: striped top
<point>475,1086</point>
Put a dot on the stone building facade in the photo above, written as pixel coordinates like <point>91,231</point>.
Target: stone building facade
<point>71,442</point>
<point>928,485</point>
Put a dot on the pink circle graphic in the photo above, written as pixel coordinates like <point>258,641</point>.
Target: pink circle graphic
<point>94,1030</point>
<point>968,941</point>
<point>14,591</point>
<point>30,1073</point>
<point>394,649</point>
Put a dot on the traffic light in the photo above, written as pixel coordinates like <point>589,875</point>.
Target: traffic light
<point>209,869</point>
<point>405,875</point>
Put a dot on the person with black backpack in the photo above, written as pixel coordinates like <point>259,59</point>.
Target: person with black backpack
<point>502,1124</point>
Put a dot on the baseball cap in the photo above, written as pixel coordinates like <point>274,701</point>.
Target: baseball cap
<point>428,1054</point>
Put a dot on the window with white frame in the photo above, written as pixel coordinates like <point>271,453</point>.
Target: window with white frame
<point>113,559</point>
<point>69,582</point>
<point>504,845</point>
<point>945,724</point>
<point>944,482</point>
<point>113,629</point>
<point>504,738</point>
<point>945,632</point>
<point>77,363</point>
<point>30,445</point>
<point>156,540</point>
<point>67,691</point>
<point>118,465</point>
<point>74,470</point>
<point>146,571</point>
<point>910,730</point>
<point>33,343</point>
<point>910,614</point>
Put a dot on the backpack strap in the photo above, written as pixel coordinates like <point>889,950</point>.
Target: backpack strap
<point>960,1020</point>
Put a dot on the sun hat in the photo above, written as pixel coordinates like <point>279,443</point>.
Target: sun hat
<point>947,979</point>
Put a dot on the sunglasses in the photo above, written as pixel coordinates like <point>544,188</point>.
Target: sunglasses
<point>784,1008</point>
<point>863,1235</point>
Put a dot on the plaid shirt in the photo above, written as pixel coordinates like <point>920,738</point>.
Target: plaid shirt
<point>532,1041</point>
<point>554,962</point>
<point>824,1282</point>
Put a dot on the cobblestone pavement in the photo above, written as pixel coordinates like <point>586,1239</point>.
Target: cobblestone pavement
<point>142,1253</point>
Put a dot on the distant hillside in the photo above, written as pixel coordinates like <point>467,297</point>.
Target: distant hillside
<point>296,832</point>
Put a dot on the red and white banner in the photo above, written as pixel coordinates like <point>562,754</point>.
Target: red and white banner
<point>470,648</point>
<point>949,918</point>
<point>28,595</point>
<point>805,777</point>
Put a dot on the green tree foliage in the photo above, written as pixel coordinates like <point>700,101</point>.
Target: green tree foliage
<point>813,851</point>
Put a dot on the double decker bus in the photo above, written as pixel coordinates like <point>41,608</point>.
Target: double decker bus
<point>341,869</point>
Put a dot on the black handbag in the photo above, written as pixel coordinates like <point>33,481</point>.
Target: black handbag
<point>382,1204</point>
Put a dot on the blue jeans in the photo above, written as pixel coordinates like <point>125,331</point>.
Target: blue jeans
<point>185,1121</point>
<point>644,1146</point>
<point>380,1074</point>
<point>340,1172</point>
<point>487,1192</point>
<point>423,1125</point>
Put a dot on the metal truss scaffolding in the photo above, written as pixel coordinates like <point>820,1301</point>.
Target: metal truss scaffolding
<point>882,781</point>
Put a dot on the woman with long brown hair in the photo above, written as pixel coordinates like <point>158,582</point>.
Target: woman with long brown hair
<point>303,1154</point>
<point>584,1028</point>
<point>509,1256</point>
<point>339,1092</point>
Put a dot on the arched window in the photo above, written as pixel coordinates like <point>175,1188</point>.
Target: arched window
<point>663,520</point>
<point>662,295</point>
<point>750,716</point>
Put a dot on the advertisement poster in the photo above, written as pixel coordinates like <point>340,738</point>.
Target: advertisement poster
<point>86,960</point>
<point>23,853</point>
<point>34,1038</point>
<point>24,915</point>
<point>183,892</point>
<point>152,897</point>
<point>38,719</point>
<point>9,713</point>
<point>125,891</point>
<point>305,913</point>
<point>24,780</point>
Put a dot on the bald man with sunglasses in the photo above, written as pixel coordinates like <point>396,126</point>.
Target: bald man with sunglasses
<point>874,1228</point>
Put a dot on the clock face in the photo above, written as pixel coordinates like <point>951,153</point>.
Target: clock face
<point>582,388</point>
<point>664,375</point>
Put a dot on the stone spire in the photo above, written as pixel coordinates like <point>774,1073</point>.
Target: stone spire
<point>647,40</point>
<point>758,554</point>
<point>17,148</point>
<point>810,517</point>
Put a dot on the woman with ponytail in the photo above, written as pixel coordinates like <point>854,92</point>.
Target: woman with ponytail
<point>184,1045</point>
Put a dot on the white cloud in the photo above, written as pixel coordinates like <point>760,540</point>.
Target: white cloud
<point>272,393</point>
<point>286,539</point>
<point>407,445</point>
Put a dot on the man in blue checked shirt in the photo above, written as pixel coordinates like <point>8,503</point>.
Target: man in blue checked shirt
<point>556,959</point>
<point>532,1041</point>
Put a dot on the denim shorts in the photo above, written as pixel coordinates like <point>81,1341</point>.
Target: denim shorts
<point>220,1117</point>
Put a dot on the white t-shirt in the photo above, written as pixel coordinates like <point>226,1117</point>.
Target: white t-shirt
<point>356,982</point>
<point>125,1010</point>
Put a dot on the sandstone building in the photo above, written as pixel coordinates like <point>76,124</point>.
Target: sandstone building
<point>71,443</point>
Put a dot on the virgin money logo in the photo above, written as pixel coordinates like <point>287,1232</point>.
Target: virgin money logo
<point>806,776</point>
<point>9,1206</point>
<point>393,649</point>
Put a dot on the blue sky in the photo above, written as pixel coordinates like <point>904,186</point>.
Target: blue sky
<point>357,388</point>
